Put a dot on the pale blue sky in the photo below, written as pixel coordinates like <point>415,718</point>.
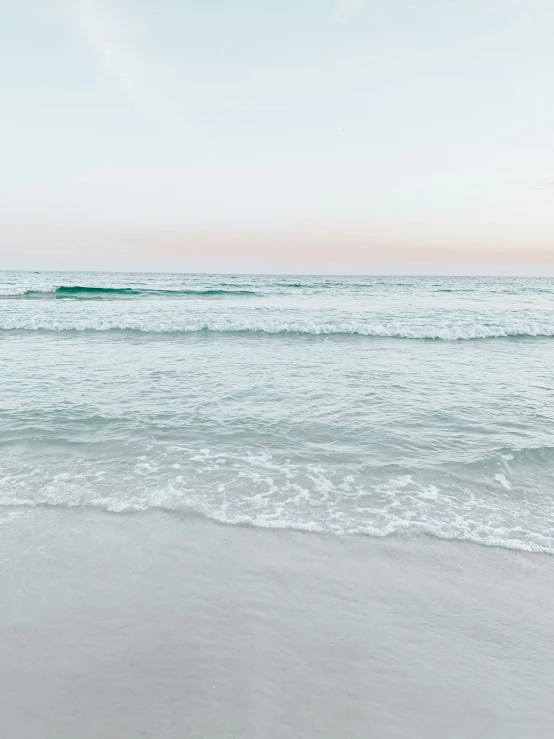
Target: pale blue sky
<point>305,135</point>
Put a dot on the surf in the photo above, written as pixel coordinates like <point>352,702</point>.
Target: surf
<point>95,292</point>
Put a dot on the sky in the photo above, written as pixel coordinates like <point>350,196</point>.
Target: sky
<point>347,136</point>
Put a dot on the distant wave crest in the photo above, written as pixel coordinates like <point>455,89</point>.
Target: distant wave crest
<point>91,292</point>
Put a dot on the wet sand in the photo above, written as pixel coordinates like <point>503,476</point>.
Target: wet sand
<point>156,625</point>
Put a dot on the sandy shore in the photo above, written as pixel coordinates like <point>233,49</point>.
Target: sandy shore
<point>154,625</point>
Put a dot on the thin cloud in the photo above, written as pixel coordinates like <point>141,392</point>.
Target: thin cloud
<point>345,8</point>
<point>125,67</point>
<point>545,186</point>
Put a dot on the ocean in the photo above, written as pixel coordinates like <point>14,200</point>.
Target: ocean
<point>265,506</point>
<point>351,405</point>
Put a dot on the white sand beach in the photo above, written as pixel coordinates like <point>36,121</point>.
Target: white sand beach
<point>160,625</point>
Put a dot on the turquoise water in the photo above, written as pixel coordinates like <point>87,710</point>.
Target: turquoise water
<point>363,405</point>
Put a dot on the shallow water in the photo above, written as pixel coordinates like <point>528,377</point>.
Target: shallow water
<point>345,405</point>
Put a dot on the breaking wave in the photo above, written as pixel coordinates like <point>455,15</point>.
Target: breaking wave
<point>305,325</point>
<point>92,292</point>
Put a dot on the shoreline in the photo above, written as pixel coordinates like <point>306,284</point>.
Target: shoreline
<point>408,532</point>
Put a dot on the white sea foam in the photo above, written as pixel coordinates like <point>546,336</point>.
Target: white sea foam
<point>401,329</point>
<point>261,491</point>
<point>503,481</point>
<point>468,530</point>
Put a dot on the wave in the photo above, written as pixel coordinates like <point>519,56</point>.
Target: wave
<point>528,456</point>
<point>302,326</point>
<point>257,490</point>
<point>469,531</point>
<point>86,291</point>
